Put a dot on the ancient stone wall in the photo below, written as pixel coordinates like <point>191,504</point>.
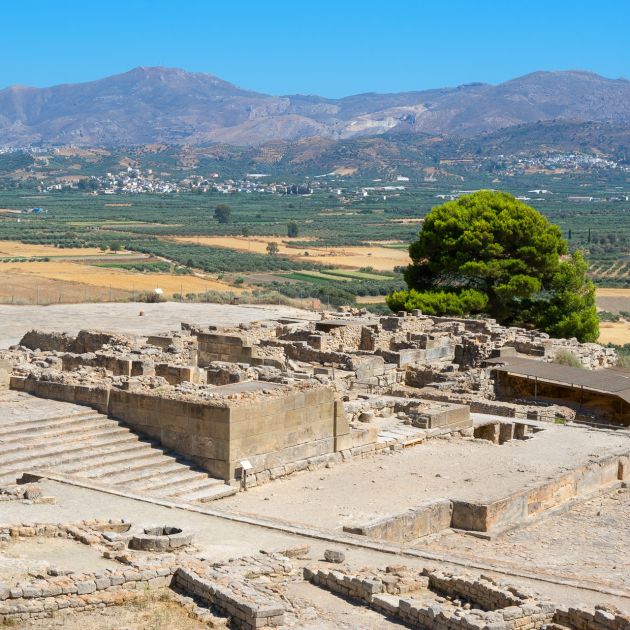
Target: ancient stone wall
<point>297,426</point>
<point>246,608</point>
<point>494,606</point>
<point>5,374</point>
<point>427,518</point>
<point>598,618</point>
<point>85,341</point>
<point>236,349</point>
<point>501,514</point>
<point>517,508</point>
<point>270,431</point>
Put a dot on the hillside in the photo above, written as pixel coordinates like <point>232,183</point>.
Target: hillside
<point>172,106</point>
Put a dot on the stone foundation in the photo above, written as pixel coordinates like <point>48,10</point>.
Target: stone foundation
<point>474,603</point>
<point>494,517</point>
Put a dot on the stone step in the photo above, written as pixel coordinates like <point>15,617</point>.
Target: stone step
<point>119,462</point>
<point>104,456</point>
<point>145,454</point>
<point>8,422</point>
<point>90,445</point>
<point>209,494</point>
<point>142,471</point>
<point>7,427</point>
<point>48,462</point>
<point>62,443</point>
<point>53,432</point>
<point>194,482</point>
<point>175,478</point>
<point>66,452</point>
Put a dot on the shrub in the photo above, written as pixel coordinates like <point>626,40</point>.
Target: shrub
<point>465,302</point>
<point>150,297</point>
<point>566,357</point>
<point>607,316</point>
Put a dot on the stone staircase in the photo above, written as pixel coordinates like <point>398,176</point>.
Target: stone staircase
<point>87,445</point>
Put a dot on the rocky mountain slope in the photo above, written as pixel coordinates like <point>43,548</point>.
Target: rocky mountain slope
<point>172,106</point>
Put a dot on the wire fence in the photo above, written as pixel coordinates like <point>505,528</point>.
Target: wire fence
<point>43,294</point>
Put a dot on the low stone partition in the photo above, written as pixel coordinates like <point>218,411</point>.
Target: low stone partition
<point>605,617</point>
<point>41,596</point>
<point>517,508</point>
<point>502,432</point>
<point>79,591</point>
<point>462,602</point>
<point>483,592</point>
<point>176,374</point>
<point>246,607</point>
<point>429,517</point>
<point>495,517</point>
<point>239,588</point>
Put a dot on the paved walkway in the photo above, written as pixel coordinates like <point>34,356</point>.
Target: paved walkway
<point>15,321</point>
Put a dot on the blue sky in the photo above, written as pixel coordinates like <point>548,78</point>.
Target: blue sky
<point>331,48</point>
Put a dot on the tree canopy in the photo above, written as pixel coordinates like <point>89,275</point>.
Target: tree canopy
<point>292,229</point>
<point>223,213</point>
<point>488,252</point>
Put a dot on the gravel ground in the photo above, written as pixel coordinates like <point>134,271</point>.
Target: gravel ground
<point>19,558</point>
<point>441,468</point>
<point>220,539</point>
<point>151,612</point>
<point>590,541</point>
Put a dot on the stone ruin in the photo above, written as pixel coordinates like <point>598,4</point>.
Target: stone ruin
<point>254,591</point>
<point>160,538</point>
<point>252,403</point>
<point>288,394</point>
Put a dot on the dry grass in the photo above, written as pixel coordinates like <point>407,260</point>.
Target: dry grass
<point>74,277</point>
<point>20,288</point>
<point>24,250</point>
<point>154,611</point>
<point>614,332</point>
<point>370,299</point>
<point>345,170</point>
<point>614,300</point>
<point>380,258</point>
<point>611,292</point>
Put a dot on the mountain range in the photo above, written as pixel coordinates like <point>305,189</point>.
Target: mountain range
<point>171,106</point>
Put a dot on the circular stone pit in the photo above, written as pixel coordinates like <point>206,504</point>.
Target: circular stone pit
<point>160,538</point>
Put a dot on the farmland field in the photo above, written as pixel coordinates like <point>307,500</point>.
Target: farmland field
<point>614,332</point>
<point>354,242</point>
<point>614,300</point>
<point>15,249</point>
<point>380,258</point>
<point>74,282</point>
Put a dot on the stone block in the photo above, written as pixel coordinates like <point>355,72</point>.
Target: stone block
<point>336,557</point>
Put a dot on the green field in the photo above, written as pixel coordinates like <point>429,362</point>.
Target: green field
<point>143,222</point>
<point>357,275</point>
